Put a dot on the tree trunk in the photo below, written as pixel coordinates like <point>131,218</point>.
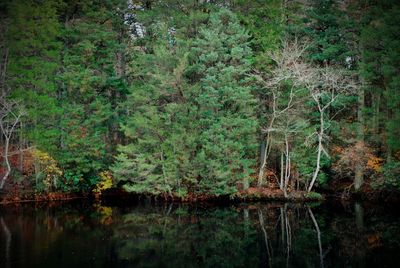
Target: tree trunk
<point>359,214</point>
<point>3,180</point>
<point>282,174</point>
<point>267,145</point>
<point>358,177</point>
<point>377,114</point>
<point>164,174</point>
<point>287,167</point>
<point>21,152</point>
<point>318,167</point>
<point>359,169</point>
<point>263,157</point>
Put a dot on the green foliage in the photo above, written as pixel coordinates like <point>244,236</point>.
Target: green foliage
<point>104,182</point>
<point>48,174</point>
<point>156,159</point>
<point>72,181</point>
<point>313,196</point>
<point>380,61</point>
<point>192,127</point>
<point>264,21</point>
<point>33,61</point>
<point>325,28</point>
<point>225,113</point>
<point>91,86</point>
<point>390,177</point>
<point>305,159</point>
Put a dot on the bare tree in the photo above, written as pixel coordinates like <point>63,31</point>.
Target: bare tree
<point>10,117</point>
<point>284,60</point>
<point>287,167</point>
<point>276,113</point>
<point>325,85</point>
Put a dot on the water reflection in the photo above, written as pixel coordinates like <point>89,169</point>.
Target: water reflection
<point>172,235</point>
<point>7,235</point>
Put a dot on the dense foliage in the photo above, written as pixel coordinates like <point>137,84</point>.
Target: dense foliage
<point>200,97</point>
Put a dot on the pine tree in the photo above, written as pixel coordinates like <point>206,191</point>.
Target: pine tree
<point>92,84</point>
<point>191,125</point>
<point>226,107</point>
<point>157,126</point>
<point>326,30</point>
<point>379,69</point>
<point>34,59</point>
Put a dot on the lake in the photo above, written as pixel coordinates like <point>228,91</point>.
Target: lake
<point>145,234</point>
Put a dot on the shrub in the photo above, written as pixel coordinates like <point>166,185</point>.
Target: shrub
<point>47,172</point>
<point>390,177</point>
<point>313,195</point>
<point>105,182</point>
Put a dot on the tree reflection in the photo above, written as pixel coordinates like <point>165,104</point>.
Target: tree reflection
<point>318,237</point>
<point>185,237</point>
<point>7,234</point>
<point>173,235</point>
<point>220,237</point>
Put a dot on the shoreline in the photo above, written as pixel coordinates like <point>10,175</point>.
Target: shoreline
<point>121,195</point>
<point>41,197</point>
<point>261,195</point>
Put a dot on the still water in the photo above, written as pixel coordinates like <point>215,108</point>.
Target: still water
<point>144,234</point>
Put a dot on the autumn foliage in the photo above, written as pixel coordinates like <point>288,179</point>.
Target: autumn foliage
<point>357,154</point>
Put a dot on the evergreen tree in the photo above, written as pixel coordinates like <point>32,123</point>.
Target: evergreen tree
<point>158,128</point>
<point>34,59</point>
<point>379,69</point>
<point>192,127</point>
<point>93,84</point>
<point>326,30</point>
<point>220,59</point>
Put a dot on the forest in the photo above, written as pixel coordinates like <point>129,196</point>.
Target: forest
<point>182,98</point>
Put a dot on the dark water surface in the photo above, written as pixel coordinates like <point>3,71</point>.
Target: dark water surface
<point>84,234</point>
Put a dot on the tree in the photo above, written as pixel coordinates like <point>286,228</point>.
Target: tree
<point>92,85</point>
<point>33,60</point>
<point>10,117</point>
<point>325,85</point>
<point>220,61</point>
<point>191,125</point>
<point>158,128</point>
<point>380,56</point>
<point>282,101</point>
<point>325,27</point>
